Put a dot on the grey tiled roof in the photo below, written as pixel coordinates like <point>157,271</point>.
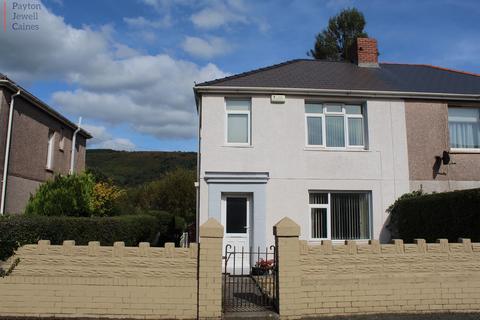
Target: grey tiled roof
<point>318,74</point>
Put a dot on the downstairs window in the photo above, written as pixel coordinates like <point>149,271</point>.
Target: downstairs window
<point>339,215</point>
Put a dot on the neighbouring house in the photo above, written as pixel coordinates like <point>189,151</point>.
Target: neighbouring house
<point>40,145</point>
<point>332,144</point>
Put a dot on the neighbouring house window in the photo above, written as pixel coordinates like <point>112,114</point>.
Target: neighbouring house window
<point>238,121</point>
<point>339,215</point>
<point>50,148</point>
<point>61,144</point>
<point>334,125</point>
<point>464,127</point>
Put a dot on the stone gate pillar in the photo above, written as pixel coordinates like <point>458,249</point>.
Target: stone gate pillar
<point>290,299</point>
<point>210,270</point>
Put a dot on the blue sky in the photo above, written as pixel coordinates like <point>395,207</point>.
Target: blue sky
<point>128,67</point>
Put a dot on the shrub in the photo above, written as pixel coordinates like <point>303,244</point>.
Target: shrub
<point>131,229</point>
<point>105,198</point>
<point>170,227</point>
<point>70,195</point>
<point>76,196</point>
<point>449,215</point>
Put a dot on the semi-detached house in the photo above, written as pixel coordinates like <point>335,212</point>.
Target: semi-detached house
<point>332,144</point>
<point>36,142</point>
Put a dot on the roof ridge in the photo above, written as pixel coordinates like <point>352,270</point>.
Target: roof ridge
<point>250,72</point>
<point>435,67</point>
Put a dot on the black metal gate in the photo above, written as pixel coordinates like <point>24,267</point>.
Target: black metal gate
<point>249,279</point>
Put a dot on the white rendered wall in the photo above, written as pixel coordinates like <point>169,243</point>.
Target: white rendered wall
<point>278,147</point>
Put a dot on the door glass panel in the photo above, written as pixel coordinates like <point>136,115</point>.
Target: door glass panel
<point>236,215</point>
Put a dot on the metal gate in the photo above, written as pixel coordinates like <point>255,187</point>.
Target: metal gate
<point>250,279</point>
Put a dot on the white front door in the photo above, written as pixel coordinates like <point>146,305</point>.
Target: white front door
<point>236,214</point>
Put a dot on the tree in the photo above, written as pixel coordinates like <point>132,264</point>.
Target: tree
<point>337,41</point>
<point>175,193</point>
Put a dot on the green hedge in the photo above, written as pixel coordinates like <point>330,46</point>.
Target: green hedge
<point>448,215</point>
<point>25,229</point>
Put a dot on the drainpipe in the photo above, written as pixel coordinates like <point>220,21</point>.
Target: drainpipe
<point>74,142</point>
<point>7,153</point>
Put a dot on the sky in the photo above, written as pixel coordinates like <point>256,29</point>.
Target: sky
<point>127,67</point>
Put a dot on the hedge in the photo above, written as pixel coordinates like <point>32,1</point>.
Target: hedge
<point>26,229</point>
<point>447,215</point>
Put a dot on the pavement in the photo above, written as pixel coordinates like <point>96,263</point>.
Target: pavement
<point>438,316</point>
<point>442,316</point>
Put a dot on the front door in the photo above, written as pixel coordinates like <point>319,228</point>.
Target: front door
<point>236,213</point>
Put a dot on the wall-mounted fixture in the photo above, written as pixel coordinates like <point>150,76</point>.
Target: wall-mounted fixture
<point>277,98</point>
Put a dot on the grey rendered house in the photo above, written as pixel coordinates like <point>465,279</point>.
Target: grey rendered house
<point>332,144</point>
<point>40,145</point>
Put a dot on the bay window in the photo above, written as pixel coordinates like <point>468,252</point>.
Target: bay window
<point>238,122</point>
<point>464,127</point>
<point>335,126</point>
<point>339,215</point>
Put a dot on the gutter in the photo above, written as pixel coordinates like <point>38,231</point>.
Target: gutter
<point>335,92</point>
<point>34,100</point>
<point>8,143</point>
<point>74,143</point>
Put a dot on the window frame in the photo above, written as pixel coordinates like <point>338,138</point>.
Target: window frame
<point>346,117</point>
<point>329,214</point>
<point>461,150</point>
<point>50,149</point>
<point>319,206</point>
<point>239,112</point>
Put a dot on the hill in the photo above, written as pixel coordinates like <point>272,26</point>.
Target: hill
<point>127,168</point>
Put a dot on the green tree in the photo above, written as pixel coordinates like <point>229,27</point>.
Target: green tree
<point>175,193</point>
<point>337,41</point>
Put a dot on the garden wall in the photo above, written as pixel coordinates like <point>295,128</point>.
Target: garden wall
<point>355,278</point>
<point>116,281</point>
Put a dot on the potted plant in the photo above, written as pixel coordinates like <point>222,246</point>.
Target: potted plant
<point>263,267</point>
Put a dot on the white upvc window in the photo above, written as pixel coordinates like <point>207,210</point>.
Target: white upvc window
<point>334,126</point>
<point>339,215</point>
<point>50,149</point>
<point>464,128</point>
<point>238,122</point>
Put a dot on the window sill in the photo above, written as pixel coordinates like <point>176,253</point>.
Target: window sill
<point>49,170</point>
<point>336,150</point>
<point>237,146</point>
<point>460,150</point>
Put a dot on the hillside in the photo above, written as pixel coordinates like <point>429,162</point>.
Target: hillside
<point>134,168</point>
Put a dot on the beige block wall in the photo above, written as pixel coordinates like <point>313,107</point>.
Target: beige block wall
<point>372,278</point>
<point>117,282</point>
<point>95,281</point>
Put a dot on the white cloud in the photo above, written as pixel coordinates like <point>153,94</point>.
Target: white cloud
<point>142,22</point>
<point>112,83</point>
<point>205,48</point>
<point>217,16</point>
<point>104,140</point>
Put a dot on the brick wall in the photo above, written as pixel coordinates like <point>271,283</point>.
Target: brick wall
<point>367,52</point>
<point>373,278</point>
<point>116,282</point>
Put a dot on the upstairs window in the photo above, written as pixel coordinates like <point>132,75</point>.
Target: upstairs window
<point>464,127</point>
<point>50,149</point>
<point>335,126</point>
<point>238,122</point>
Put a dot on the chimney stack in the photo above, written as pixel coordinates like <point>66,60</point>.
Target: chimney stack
<point>367,53</point>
